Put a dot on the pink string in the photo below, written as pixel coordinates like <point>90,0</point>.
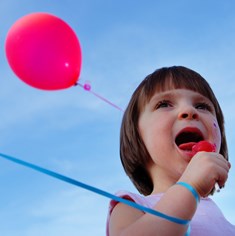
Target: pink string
<point>87,87</point>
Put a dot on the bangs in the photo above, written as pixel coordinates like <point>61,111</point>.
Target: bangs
<point>174,78</point>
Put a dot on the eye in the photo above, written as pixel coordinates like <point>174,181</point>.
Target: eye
<point>163,104</point>
<point>204,106</point>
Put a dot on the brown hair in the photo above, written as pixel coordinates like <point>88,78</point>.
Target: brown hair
<point>134,155</point>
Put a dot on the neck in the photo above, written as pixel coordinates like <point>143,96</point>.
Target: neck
<point>161,181</point>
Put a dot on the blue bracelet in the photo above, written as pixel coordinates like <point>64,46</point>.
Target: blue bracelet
<point>191,189</point>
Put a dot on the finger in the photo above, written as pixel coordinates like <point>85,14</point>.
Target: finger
<point>222,176</point>
<point>221,161</point>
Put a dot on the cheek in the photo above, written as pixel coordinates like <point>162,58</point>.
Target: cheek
<point>216,135</point>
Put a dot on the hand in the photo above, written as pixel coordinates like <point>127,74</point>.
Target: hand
<point>204,170</point>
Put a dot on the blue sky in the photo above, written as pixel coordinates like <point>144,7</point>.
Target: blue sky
<point>76,134</point>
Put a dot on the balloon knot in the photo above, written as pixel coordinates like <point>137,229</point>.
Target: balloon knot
<point>87,87</point>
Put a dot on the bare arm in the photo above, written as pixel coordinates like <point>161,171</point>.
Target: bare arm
<point>177,201</point>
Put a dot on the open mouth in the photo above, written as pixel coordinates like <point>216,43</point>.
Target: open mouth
<point>187,138</point>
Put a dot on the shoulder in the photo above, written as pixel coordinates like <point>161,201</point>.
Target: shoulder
<point>137,198</point>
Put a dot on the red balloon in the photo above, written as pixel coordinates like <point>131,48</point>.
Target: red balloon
<point>44,51</point>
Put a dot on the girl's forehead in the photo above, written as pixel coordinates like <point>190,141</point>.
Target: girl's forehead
<point>176,91</point>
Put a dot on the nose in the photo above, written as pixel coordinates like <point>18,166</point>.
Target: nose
<point>188,114</point>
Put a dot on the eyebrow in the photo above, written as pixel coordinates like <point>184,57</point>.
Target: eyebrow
<point>162,95</point>
<point>173,94</point>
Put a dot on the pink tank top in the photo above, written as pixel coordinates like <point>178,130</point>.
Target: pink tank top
<point>207,221</point>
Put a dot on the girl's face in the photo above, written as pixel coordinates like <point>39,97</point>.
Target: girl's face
<point>170,124</point>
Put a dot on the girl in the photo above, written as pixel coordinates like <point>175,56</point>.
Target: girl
<point>170,111</point>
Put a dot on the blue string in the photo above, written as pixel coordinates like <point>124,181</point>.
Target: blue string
<point>188,231</point>
<point>95,190</point>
